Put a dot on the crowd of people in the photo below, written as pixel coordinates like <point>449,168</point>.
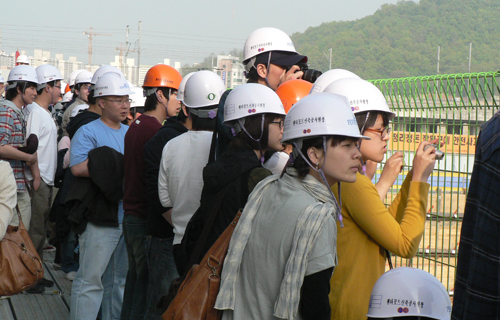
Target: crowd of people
<point>147,179</point>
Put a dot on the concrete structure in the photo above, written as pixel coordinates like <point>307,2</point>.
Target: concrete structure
<point>230,69</point>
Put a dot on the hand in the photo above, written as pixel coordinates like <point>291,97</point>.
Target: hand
<point>36,183</point>
<point>390,173</point>
<point>424,161</point>
<point>392,168</point>
<point>32,159</point>
<point>293,73</point>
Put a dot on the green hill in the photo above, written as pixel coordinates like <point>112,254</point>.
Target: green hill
<point>402,40</point>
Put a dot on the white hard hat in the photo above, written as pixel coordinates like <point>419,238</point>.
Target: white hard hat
<point>204,88</point>
<point>102,70</point>
<point>322,114</point>
<point>111,84</point>
<point>182,86</point>
<point>21,73</point>
<point>72,77</point>
<point>1,79</point>
<point>47,73</point>
<point>265,40</point>
<point>83,77</point>
<point>249,99</point>
<point>404,292</point>
<point>67,97</point>
<point>330,76</point>
<point>363,96</point>
<point>79,108</point>
<point>23,59</point>
<point>138,99</point>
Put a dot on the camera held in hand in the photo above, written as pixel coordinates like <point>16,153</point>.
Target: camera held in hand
<point>439,153</point>
<point>309,74</point>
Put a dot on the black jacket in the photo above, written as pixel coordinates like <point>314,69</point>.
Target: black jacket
<point>241,171</point>
<point>157,225</point>
<point>96,199</point>
<point>79,120</point>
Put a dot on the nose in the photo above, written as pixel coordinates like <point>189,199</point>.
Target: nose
<point>357,153</point>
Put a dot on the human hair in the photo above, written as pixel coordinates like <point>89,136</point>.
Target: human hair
<point>202,123</point>
<point>152,101</point>
<point>253,127</point>
<point>12,93</point>
<point>252,75</point>
<point>91,99</point>
<point>181,116</point>
<point>51,83</point>
<point>317,142</point>
<point>372,118</point>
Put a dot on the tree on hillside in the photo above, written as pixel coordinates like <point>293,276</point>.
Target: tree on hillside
<point>402,40</point>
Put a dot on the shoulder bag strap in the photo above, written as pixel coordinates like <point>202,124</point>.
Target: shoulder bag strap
<point>193,259</point>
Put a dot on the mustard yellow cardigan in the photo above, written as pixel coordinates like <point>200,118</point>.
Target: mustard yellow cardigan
<point>369,229</point>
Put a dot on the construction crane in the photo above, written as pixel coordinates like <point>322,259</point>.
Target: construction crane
<point>89,35</point>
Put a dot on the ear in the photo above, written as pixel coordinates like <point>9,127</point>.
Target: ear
<point>184,110</point>
<point>99,103</point>
<point>160,94</point>
<point>314,154</point>
<point>261,70</point>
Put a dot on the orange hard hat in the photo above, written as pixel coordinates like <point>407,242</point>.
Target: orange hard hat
<point>67,89</point>
<point>162,75</point>
<point>290,92</point>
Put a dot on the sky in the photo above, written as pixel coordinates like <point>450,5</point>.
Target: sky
<point>184,31</point>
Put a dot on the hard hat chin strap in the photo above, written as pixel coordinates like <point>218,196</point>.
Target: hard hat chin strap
<point>323,177</point>
<point>242,125</point>
<point>23,92</point>
<point>161,101</point>
<point>361,161</point>
<point>267,70</point>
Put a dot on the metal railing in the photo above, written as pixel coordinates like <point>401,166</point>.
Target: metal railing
<point>451,108</point>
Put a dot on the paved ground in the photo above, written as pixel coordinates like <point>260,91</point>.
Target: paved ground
<point>52,305</point>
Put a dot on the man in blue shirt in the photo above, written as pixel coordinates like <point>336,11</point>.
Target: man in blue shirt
<point>103,256</point>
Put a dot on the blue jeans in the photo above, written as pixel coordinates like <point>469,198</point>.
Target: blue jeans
<point>102,273</point>
<point>162,271</point>
<point>136,287</point>
<point>68,261</point>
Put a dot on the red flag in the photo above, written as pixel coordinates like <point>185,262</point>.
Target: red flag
<point>17,55</point>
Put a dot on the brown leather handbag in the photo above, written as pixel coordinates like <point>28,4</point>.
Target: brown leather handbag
<point>196,297</point>
<point>20,265</point>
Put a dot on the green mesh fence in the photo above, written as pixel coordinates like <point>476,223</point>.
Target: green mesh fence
<point>451,108</point>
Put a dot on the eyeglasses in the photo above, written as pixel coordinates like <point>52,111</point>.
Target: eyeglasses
<point>383,132</point>
<point>119,102</point>
<point>57,87</point>
<point>279,123</point>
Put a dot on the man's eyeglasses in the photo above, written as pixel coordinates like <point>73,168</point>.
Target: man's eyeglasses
<point>383,132</point>
<point>119,102</point>
<point>279,123</point>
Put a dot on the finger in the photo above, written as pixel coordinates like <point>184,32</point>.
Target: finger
<point>422,145</point>
<point>293,69</point>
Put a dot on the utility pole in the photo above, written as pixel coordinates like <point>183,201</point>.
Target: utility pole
<point>127,45</point>
<point>90,35</point>
<point>330,59</point>
<point>470,54</point>
<point>439,52</point>
<point>139,53</point>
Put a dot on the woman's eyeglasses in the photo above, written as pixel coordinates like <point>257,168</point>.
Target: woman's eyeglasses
<point>383,132</point>
<point>279,123</point>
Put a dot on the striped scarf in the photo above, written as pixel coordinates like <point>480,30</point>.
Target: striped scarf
<point>310,222</point>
